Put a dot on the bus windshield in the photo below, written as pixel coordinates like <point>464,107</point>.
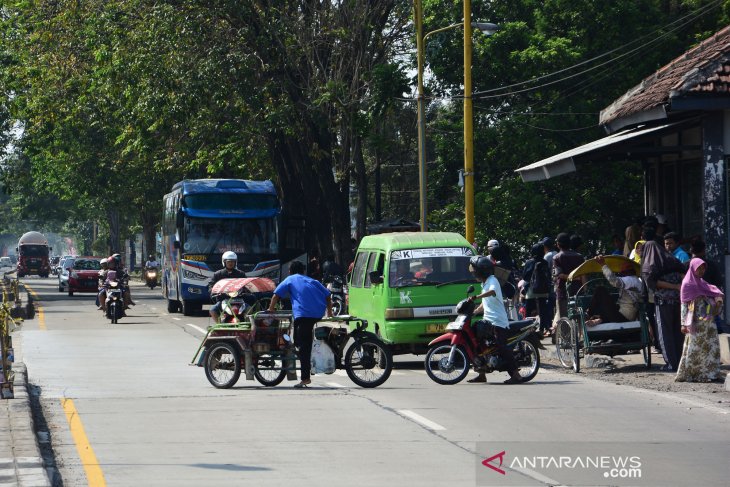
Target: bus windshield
<point>215,236</point>
<point>231,201</point>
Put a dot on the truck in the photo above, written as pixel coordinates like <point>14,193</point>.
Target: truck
<point>33,255</point>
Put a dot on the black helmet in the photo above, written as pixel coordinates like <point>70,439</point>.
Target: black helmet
<point>481,266</point>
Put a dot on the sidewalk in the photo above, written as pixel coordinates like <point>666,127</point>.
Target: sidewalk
<point>630,370</point>
<point>21,464</point>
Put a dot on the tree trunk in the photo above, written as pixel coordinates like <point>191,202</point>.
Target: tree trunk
<point>362,188</point>
<point>149,232</point>
<point>114,230</point>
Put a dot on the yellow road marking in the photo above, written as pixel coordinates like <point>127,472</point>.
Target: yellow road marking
<point>38,309</point>
<point>94,475</point>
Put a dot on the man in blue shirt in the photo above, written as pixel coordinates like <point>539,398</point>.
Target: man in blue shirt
<point>671,243</point>
<point>310,300</point>
<point>492,306</point>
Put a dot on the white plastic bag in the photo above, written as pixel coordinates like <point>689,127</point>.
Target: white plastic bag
<point>323,359</point>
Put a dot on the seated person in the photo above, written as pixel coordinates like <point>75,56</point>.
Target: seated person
<point>424,270</point>
<point>603,309</point>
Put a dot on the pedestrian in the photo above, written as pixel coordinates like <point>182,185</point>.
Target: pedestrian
<point>671,242</point>
<point>712,274</point>
<point>536,288</point>
<point>549,247</point>
<point>310,301</point>
<point>618,244</point>
<point>564,263</point>
<point>632,234</point>
<point>662,273</point>
<point>701,302</point>
<point>635,254</point>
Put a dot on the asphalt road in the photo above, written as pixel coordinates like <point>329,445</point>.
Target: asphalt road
<point>124,408</point>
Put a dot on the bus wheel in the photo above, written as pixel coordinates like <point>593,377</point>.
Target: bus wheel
<point>172,306</point>
<point>187,308</point>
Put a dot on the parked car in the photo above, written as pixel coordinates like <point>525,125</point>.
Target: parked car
<point>84,275</point>
<point>63,273</point>
<point>5,262</point>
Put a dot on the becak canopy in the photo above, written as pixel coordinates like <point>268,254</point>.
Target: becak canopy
<point>253,285</point>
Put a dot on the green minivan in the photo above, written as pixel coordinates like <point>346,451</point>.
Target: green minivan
<point>407,285</point>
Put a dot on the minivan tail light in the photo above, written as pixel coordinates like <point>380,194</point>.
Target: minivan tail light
<point>398,313</point>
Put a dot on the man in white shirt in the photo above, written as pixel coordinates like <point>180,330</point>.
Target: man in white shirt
<point>151,263</point>
<point>492,306</point>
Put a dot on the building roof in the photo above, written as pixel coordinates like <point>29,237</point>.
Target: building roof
<point>703,70</point>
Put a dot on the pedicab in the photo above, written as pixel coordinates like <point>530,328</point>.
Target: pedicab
<point>577,335</point>
<point>260,344</point>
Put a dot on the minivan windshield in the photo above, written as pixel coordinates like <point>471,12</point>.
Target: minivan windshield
<point>431,266</point>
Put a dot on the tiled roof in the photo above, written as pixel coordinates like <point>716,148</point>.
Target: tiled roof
<point>703,69</point>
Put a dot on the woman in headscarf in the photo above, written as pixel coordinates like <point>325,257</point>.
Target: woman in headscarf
<point>662,273</point>
<point>635,254</point>
<point>701,302</point>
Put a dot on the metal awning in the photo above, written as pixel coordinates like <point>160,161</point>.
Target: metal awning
<point>564,162</point>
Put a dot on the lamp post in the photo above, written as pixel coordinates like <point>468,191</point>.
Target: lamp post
<point>485,28</point>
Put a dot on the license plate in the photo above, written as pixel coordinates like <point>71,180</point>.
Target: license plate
<point>436,328</point>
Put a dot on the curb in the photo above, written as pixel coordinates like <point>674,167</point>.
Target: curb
<point>21,463</point>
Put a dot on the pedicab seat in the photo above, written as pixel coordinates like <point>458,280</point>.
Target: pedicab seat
<point>629,325</point>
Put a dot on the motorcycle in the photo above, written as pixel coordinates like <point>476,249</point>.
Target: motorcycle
<point>150,277</point>
<point>336,286</point>
<point>114,301</point>
<point>450,355</point>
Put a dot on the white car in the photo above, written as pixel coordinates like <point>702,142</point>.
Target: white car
<point>5,262</point>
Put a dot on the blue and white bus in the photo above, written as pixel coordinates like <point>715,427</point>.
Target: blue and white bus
<point>203,218</point>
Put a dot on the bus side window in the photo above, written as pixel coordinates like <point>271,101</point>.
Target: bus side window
<point>374,259</point>
<point>358,272</point>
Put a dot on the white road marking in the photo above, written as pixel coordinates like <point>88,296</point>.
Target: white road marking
<point>196,327</point>
<point>420,420</point>
<point>335,384</point>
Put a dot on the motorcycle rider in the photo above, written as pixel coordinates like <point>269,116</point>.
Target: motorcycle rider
<point>101,295</point>
<point>330,269</point>
<point>229,271</point>
<point>151,263</point>
<point>115,264</point>
<point>492,306</point>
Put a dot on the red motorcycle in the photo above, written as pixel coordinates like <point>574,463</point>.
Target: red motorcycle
<point>450,355</point>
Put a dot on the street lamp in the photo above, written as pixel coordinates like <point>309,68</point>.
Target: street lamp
<point>487,29</point>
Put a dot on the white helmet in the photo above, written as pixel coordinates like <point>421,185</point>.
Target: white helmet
<point>103,261</point>
<point>229,256</point>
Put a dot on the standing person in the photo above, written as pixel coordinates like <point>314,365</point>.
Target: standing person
<point>618,244</point>
<point>310,300</point>
<point>492,307</point>
<point>671,243</point>
<point>230,271</point>
<point>662,274</point>
<point>550,252</point>
<point>313,269</point>
<point>701,302</point>
<point>563,264</point>
<point>712,273</point>
<point>536,276</point>
<point>632,234</point>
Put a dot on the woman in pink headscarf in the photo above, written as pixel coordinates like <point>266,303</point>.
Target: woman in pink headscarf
<point>701,302</point>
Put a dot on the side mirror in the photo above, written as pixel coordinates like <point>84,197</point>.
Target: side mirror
<point>470,290</point>
<point>176,244</point>
<point>376,277</point>
<point>179,219</point>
